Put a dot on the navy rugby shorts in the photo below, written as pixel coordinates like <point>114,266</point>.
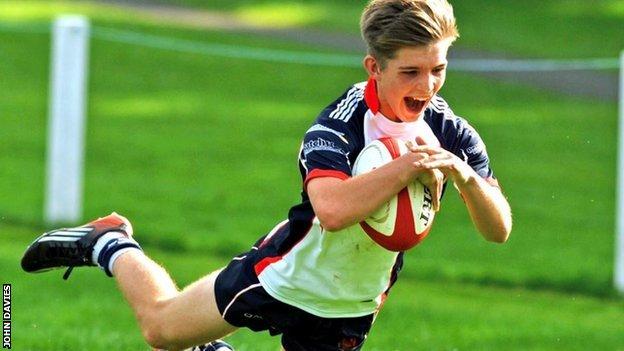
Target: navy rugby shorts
<point>243,302</point>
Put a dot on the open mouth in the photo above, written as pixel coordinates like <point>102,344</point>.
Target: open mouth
<point>415,105</point>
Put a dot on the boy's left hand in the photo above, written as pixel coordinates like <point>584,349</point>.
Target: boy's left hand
<point>450,165</point>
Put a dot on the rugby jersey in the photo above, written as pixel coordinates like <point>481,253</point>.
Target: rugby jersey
<point>345,273</point>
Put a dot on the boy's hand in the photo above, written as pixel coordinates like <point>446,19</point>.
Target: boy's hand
<point>440,159</point>
<point>432,178</point>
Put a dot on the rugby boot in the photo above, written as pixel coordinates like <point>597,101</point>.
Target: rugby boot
<point>72,247</point>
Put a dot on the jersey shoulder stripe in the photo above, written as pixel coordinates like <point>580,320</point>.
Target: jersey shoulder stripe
<point>439,105</point>
<point>345,108</point>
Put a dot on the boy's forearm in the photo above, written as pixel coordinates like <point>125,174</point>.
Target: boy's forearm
<point>488,208</point>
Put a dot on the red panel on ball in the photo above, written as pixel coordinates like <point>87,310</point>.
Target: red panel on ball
<point>404,236</point>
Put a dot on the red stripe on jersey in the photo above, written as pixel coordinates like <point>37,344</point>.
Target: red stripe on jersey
<point>320,173</point>
<point>269,236</point>
<point>267,261</point>
<point>264,263</point>
<point>370,95</point>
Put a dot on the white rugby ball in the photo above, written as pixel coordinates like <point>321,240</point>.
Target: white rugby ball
<point>406,219</point>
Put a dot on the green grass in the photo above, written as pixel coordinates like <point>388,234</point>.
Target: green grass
<point>420,315</point>
<point>553,28</point>
<point>530,28</point>
<point>533,28</point>
<point>200,152</point>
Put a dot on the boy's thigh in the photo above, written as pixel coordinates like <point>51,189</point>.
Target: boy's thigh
<point>193,315</point>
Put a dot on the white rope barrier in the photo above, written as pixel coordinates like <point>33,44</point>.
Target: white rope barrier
<point>319,59</point>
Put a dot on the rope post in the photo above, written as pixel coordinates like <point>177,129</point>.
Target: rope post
<point>619,215</point>
<point>66,120</point>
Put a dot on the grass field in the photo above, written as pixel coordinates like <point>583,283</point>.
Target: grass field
<point>192,148</point>
<point>533,28</point>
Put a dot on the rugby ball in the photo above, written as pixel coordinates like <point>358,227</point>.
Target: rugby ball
<point>406,219</point>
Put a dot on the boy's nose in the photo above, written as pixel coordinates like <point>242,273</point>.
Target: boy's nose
<point>425,86</point>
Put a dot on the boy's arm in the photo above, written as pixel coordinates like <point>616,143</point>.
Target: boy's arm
<point>488,208</point>
<point>340,203</point>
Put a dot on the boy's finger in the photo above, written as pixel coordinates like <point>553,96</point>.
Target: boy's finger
<point>424,148</point>
<point>435,194</point>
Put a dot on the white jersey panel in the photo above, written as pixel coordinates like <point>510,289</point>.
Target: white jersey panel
<point>331,274</point>
<point>377,126</point>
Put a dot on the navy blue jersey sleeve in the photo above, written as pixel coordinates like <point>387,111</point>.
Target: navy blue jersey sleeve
<point>331,143</point>
<point>472,150</point>
<point>459,137</point>
<point>324,152</point>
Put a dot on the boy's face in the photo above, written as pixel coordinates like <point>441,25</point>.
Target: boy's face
<point>410,80</point>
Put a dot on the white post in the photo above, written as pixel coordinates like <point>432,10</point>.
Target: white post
<point>619,242</point>
<point>66,120</point>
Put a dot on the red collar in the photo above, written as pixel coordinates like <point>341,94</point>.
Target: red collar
<point>370,95</point>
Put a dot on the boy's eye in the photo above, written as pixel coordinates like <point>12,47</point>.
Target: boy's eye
<point>410,73</point>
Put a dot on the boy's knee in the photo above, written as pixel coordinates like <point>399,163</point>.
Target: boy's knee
<point>152,333</point>
<point>155,330</point>
<point>154,338</point>
<point>158,338</point>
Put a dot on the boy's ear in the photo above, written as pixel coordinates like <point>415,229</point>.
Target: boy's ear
<point>372,66</point>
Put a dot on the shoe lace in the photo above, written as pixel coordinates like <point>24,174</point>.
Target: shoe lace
<point>68,272</point>
<point>65,251</point>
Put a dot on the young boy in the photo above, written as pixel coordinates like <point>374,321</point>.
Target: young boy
<point>316,278</point>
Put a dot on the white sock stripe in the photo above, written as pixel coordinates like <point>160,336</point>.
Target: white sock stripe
<point>116,255</point>
<point>237,295</point>
<point>101,242</point>
<point>239,258</point>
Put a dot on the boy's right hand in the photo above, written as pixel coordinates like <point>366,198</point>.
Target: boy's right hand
<point>433,179</point>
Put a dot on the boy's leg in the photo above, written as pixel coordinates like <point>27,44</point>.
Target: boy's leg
<point>169,319</point>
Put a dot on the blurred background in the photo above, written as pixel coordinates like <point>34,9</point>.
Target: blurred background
<point>195,113</point>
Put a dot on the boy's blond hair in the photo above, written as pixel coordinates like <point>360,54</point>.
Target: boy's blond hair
<point>388,25</point>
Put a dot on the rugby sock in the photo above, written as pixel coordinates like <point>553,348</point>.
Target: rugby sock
<point>109,247</point>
